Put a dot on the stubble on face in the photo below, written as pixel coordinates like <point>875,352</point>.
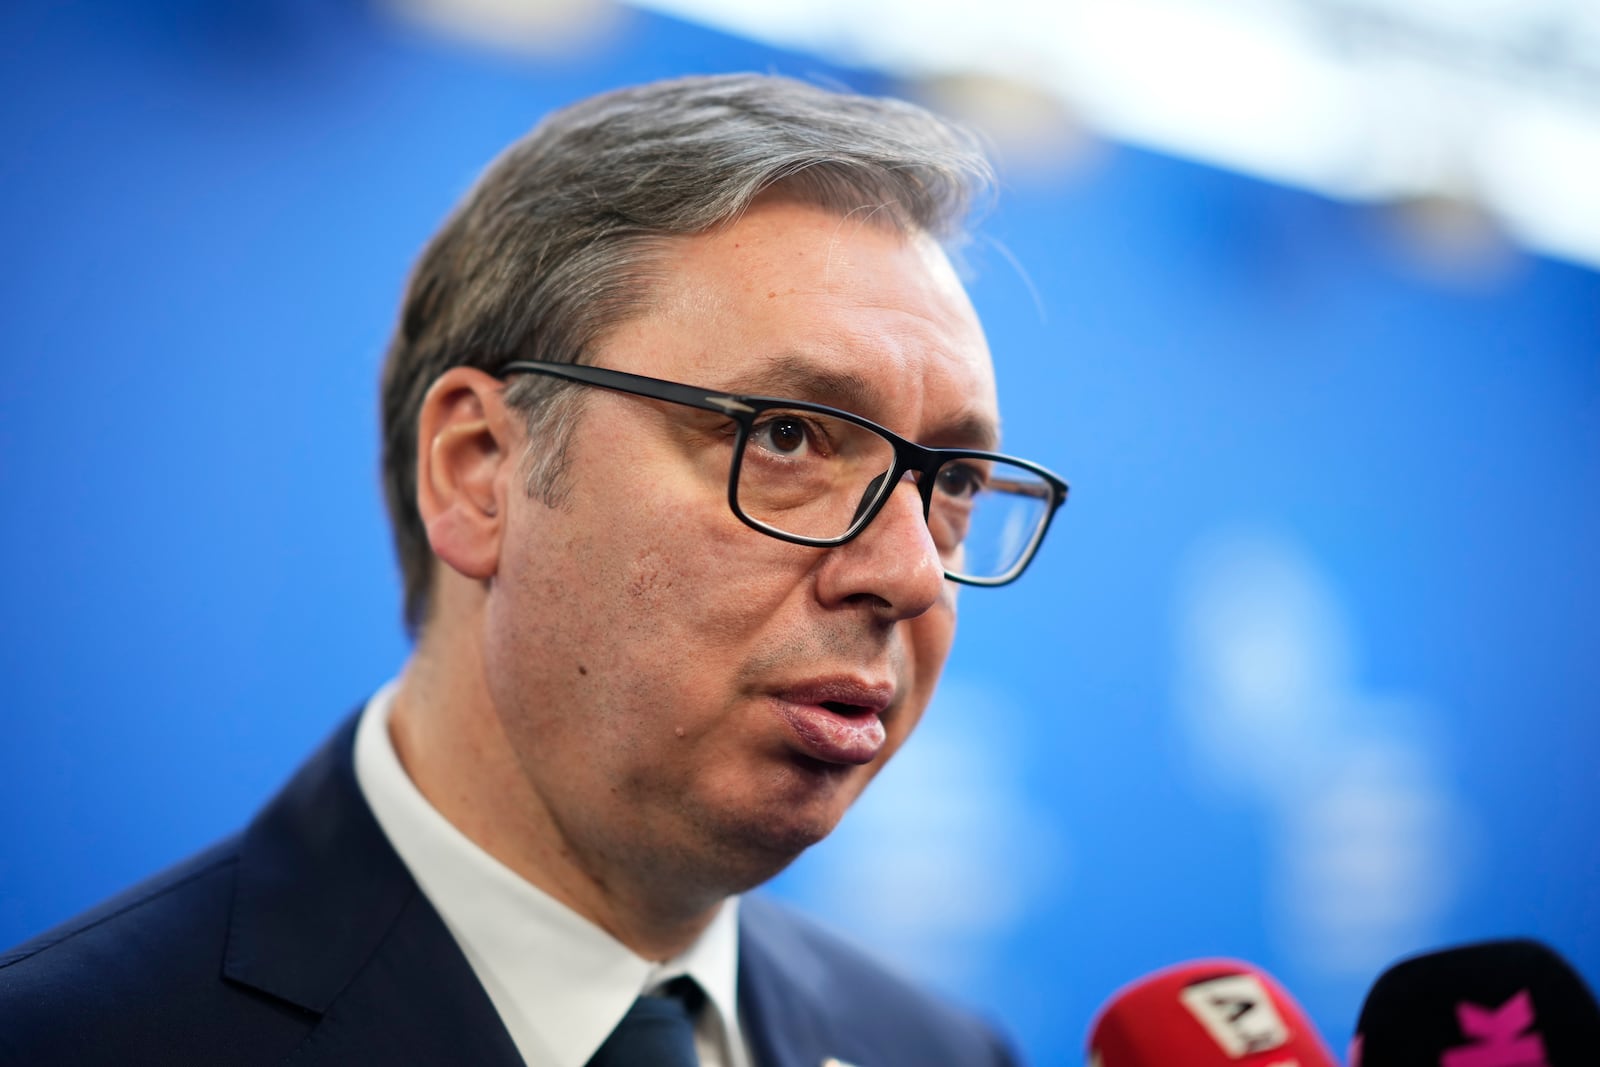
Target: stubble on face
<point>643,754</point>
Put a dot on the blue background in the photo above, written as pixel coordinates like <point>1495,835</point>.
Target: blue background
<point>1306,675</point>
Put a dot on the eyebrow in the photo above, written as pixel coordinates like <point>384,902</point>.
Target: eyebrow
<point>793,376</point>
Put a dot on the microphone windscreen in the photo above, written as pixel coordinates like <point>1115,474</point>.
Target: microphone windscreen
<point>1208,1013</point>
<point>1493,1004</point>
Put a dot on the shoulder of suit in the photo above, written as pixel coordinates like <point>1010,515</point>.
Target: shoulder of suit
<point>174,891</point>
<point>868,990</point>
<point>135,979</point>
<point>820,956</point>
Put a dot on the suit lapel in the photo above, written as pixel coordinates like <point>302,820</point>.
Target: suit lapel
<point>415,1002</point>
<point>327,917</point>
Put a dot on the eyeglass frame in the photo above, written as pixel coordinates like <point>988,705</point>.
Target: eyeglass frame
<point>744,408</point>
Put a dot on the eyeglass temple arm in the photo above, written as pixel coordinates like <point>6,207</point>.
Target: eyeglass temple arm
<point>1041,490</point>
<point>634,384</point>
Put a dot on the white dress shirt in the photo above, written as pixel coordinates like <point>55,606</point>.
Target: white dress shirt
<point>560,983</point>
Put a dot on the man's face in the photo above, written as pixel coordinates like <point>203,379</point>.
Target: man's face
<point>690,699</point>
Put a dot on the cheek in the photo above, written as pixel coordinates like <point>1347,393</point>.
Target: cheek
<point>933,633</point>
<point>649,578</point>
<point>699,570</point>
<point>930,639</point>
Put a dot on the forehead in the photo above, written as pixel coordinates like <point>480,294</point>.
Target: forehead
<point>795,301</point>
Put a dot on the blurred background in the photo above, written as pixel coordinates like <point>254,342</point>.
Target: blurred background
<point>1302,295</point>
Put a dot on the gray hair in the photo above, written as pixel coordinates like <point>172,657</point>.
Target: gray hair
<point>554,245</point>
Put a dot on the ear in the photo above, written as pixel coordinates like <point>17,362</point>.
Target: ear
<point>466,448</point>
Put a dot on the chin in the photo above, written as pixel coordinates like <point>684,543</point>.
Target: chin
<point>750,852</point>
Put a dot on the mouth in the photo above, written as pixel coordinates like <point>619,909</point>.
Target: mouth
<point>837,720</point>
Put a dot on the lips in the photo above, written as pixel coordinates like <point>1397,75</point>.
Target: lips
<point>836,720</point>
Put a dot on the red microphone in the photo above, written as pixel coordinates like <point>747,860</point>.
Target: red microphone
<point>1208,1013</point>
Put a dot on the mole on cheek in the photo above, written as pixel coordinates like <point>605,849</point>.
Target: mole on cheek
<point>582,669</point>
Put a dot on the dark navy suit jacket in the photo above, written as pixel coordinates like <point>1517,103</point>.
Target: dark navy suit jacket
<point>304,940</point>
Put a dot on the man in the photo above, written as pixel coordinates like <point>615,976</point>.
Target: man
<point>668,627</point>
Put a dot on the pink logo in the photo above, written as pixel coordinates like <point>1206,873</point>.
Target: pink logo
<point>1498,1036</point>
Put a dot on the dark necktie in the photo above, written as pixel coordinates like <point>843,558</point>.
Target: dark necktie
<point>658,1030</point>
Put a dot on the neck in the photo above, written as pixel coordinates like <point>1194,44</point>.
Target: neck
<point>454,747</point>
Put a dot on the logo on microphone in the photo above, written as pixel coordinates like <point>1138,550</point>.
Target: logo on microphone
<point>1238,1013</point>
<point>1497,1033</point>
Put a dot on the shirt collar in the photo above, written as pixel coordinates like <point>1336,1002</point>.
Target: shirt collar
<point>559,983</point>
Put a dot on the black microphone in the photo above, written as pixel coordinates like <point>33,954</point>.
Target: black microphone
<point>1493,1004</point>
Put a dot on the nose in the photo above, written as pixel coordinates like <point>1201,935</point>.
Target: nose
<point>893,564</point>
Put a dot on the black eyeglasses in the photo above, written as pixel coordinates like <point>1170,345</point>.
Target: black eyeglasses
<point>816,475</point>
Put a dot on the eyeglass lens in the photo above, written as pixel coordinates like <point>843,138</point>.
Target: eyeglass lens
<point>811,475</point>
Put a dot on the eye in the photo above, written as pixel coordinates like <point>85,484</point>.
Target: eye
<point>961,481</point>
<point>786,435</point>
